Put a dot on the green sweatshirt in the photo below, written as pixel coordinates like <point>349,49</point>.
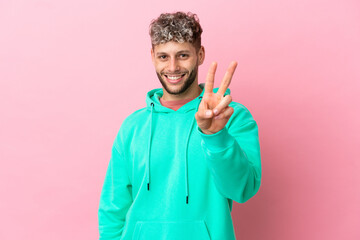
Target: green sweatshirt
<point>166,180</point>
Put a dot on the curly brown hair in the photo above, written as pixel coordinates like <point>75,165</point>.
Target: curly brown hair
<point>179,27</point>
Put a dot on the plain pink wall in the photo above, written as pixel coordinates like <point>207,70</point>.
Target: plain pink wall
<point>72,70</point>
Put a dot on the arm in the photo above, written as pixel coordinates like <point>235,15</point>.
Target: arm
<point>115,198</point>
<point>229,139</point>
<point>233,157</point>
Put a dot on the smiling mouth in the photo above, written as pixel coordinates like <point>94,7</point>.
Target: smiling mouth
<point>174,78</point>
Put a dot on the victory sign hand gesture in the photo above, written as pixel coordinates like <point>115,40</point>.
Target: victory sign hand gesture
<point>214,111</point>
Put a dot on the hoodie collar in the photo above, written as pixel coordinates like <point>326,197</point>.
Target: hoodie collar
<point>154,96</point>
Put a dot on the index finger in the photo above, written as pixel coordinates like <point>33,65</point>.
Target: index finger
<point>209,85</point>
<point>227,78</point>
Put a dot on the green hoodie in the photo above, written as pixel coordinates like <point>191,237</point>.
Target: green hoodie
<point>166,180</point>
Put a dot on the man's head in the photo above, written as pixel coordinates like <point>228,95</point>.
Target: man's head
<point>177,51</point>
<point>178,27</point>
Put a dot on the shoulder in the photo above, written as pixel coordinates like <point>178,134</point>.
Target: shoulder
<point>135,117</point>
<point>133,121</point>
<point>241,113</point>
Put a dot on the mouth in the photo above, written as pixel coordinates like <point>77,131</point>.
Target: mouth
<point>174,78</point>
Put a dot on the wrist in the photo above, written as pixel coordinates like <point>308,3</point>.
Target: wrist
<point>218,141</point>
<point>206,132</point>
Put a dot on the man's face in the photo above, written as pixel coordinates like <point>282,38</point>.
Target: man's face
<point>176,65</point>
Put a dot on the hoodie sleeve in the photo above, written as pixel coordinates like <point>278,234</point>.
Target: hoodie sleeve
<point>115,198</point>
<point>233,156</point>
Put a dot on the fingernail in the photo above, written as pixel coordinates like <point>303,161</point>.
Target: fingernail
<point>208,113</point>
<point>216,111</point>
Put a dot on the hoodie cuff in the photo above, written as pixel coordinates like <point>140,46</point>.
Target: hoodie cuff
<point>218,141</point>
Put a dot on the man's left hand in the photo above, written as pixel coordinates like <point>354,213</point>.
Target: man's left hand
<point>214,111</point>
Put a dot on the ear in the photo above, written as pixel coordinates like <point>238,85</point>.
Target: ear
<point>201,55</point>
<point>152,56</point>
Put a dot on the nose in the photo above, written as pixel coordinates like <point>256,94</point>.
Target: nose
<point>173,65</point>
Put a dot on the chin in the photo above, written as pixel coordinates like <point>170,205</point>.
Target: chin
<point>175,90</point>
<point>182,86</point>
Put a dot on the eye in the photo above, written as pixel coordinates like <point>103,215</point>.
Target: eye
<point>184,55</point>
<point>162,57</point>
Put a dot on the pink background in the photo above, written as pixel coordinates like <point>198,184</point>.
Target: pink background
<point>72,70</point>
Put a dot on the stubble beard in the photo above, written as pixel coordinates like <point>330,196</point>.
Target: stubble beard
<point>188,82</point>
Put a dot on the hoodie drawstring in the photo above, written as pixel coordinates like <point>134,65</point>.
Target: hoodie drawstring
<point>186,162</point>
<point>149,146</point>
<point>186,152</point>
<point>186,155</point>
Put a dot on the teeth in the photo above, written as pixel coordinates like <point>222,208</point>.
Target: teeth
<point>173,78</point>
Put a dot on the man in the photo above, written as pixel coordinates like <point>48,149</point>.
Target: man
<point>177,164</point>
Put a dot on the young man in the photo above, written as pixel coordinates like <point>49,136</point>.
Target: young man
<point>177,164</point>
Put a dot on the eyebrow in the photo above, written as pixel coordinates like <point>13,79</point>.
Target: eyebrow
<point>179,52</point>
<point>183,51</point>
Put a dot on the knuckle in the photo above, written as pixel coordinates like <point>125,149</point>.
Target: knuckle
<point>231,110</point>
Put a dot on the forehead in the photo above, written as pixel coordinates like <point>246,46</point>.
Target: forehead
<point>174,47</point>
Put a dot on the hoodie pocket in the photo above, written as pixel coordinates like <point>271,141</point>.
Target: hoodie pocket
<point>174,230</point>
